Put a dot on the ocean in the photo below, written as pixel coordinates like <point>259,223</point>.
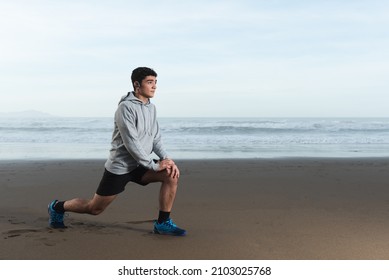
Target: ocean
<point>200,138</point>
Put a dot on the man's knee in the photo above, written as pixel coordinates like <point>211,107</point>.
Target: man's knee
<point>99,203</point>
<point>96,211</point>
<point>170,180</point>
<point>160,176</point>
<point>167,178</point>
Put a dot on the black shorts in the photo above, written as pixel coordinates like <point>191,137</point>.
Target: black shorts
<point>112,184</point>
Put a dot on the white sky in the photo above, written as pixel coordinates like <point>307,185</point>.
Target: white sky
<point>263,58</point>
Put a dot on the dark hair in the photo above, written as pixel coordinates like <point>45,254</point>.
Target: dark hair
<point>140,73</point>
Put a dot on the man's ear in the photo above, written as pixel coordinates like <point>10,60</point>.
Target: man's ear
<point>136,84</point>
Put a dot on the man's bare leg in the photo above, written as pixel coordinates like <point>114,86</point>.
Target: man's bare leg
<point>93,206</point>
<point>168,188</point>
<point>167,195</point>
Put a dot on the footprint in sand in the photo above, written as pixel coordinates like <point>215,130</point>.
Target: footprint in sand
<point>18,232</point>
<point>46,241</point>
<point>34,234</point>
<point>12,220</point>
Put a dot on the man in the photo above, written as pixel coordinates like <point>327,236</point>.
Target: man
<point>136,135</point>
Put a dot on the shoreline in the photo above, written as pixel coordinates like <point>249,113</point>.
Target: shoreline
<point>278,158</point>
<point>279,208</point>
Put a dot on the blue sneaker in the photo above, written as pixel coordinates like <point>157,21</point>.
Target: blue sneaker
<point>168,228</point>
<point>55,218</point>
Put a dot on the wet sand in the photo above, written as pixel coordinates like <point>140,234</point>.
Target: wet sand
<point>299,209</point>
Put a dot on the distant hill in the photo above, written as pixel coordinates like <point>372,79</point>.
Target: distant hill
<point>26,114</point>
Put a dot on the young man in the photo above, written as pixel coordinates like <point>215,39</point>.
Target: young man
<point>135,137</point>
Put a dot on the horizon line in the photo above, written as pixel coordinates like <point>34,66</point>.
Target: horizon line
<point>40,114</point>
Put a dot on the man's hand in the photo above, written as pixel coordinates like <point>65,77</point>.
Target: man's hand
<point>173,171</point>
<point>170,167</point>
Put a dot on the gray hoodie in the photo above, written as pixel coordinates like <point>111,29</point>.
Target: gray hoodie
<point>135,137</point>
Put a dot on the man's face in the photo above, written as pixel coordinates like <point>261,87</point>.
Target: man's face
<point>148,87</point>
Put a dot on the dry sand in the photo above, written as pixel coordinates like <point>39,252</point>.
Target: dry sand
<point>232,209</point>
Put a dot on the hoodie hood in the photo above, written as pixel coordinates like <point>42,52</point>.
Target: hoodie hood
<point>131,97</point>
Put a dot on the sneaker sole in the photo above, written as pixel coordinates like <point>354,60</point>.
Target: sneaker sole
<point>57,226</point>
<point>171,234</point>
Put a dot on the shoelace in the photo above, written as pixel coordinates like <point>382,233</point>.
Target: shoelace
<point>170,223</point>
